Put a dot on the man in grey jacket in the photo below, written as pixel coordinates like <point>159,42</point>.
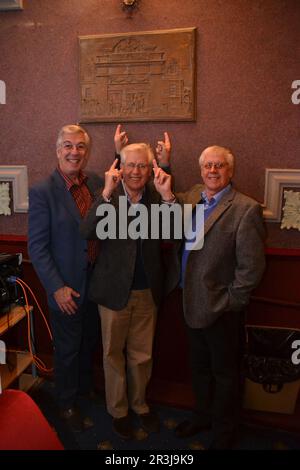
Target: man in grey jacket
<point>127,284</point>
<point>216,283</point>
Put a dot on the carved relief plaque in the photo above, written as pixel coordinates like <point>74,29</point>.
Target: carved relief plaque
<point>147,76</point>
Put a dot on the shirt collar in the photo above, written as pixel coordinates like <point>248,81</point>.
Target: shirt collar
<point>82,177</point>
<point>217,197</point>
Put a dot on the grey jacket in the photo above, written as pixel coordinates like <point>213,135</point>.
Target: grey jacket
<point>221,276</point>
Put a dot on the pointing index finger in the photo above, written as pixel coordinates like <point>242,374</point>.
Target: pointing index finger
<point>167,138</point>
<point>155,165</point>
<point>114,165</point>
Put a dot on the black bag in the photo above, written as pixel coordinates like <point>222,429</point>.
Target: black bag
<point>268,354</point>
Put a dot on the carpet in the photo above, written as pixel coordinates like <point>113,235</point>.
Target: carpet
<point>102,437</point>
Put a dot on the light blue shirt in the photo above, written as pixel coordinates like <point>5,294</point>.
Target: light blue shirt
<point>209,205</point>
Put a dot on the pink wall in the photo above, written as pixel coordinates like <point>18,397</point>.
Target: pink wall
<point>247,57</point>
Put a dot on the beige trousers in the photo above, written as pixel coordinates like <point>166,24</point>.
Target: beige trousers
<point>127,338</point>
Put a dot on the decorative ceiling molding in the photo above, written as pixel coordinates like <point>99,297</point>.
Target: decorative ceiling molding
<point>275,180</point>
<point>17,174</point>
<point>11,5</point>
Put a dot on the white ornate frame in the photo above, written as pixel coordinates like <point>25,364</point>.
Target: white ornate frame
<point>17,174</point>
<point>11,5</point>
<point>275,180</point>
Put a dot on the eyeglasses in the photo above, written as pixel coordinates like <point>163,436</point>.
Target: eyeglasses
<point>216,165</point>
<point>139,166</point>
<point>81,147</point>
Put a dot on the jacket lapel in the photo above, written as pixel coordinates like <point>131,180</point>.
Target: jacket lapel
<point>64,196</point>
<point>223,205</point>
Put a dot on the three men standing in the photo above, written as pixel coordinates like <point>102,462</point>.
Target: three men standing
<point>127,281</point>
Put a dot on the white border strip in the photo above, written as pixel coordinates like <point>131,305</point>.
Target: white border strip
<point>17,174</point>
<point>275,180</point>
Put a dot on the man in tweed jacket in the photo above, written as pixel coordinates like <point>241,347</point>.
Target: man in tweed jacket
<point>216,283</point>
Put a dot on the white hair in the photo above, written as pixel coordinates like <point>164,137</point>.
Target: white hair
<point>72,129</point>
<point>137,148</point>
<point>226,152</point>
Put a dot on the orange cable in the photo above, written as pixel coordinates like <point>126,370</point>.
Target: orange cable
<point>37,361</point>
<point>38,305</point>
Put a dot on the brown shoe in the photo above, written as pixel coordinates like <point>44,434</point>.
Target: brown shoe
<point>123,427</point>
<point>150,422</point>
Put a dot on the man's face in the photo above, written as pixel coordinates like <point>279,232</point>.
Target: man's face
<point>136,170</point>
<point>72,154</point>
<point>216,177</point>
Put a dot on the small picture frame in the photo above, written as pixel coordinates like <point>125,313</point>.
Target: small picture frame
<point>17,176</point>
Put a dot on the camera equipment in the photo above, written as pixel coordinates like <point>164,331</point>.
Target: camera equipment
<point>10,266</point>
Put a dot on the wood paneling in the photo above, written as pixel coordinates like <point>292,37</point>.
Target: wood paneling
<point>275,302</point>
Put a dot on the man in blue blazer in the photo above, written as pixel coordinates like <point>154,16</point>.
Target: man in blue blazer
<point>63,261</point>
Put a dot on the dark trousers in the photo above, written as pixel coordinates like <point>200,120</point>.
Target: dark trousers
<point>215,359</point>
<point>74,339</point>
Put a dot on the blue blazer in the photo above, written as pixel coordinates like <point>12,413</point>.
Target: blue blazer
<point>56,249</point>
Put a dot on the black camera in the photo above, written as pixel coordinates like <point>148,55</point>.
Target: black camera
<point>10,292</point>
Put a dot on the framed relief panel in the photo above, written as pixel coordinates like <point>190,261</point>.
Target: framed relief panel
<point>146,76</point>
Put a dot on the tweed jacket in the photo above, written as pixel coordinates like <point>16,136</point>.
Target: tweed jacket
<point>56,249</point>
<point>113,274</point>
<point>220,276</point>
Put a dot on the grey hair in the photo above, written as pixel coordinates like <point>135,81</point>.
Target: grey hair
<point>226,152</point>
<point>137,148</point>
<point>72,129</point>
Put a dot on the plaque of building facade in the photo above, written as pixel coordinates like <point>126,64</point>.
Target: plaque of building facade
<point>146,76</point>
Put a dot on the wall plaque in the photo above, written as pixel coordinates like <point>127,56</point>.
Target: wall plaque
<point>146,76</point>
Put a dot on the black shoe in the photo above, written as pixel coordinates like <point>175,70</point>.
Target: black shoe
<point>189,429</point>
<point>123,427</point>
<point>150,422</point>
<point>74,419</point>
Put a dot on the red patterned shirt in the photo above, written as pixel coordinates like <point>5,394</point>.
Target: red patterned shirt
<point>83,199</point>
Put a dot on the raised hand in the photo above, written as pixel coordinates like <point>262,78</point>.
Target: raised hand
<point>120,139</point>
<point>162,182</point>
<point>112,178</point>
<point>163,150</point>
<point>64,299</point>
